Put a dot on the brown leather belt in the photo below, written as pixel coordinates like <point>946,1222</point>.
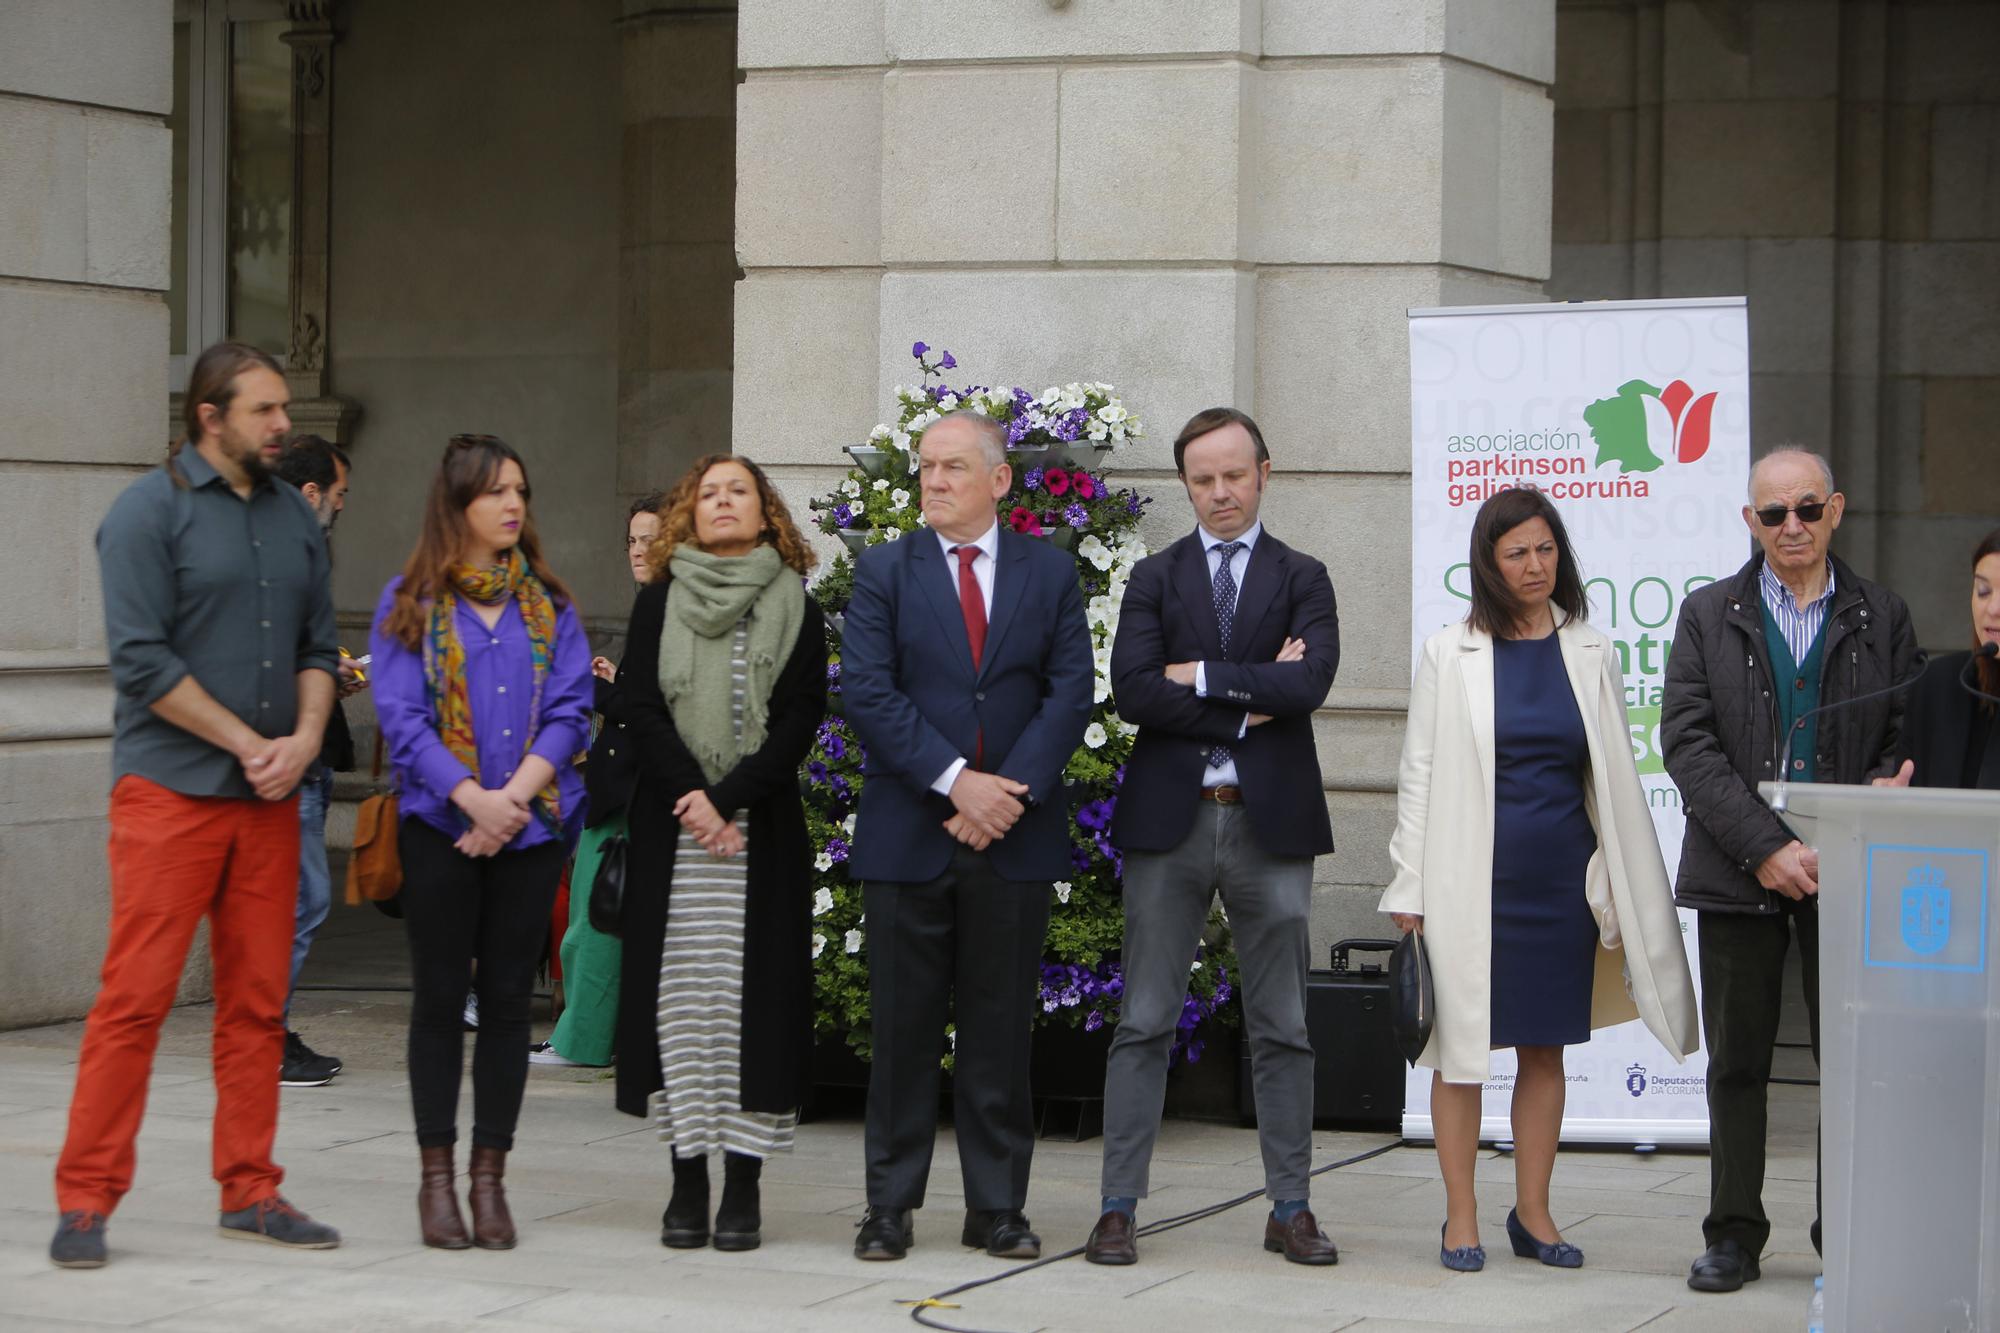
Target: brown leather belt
<point>1223,795</point>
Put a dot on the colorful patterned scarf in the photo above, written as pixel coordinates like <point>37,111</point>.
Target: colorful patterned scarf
<point>444,655</point>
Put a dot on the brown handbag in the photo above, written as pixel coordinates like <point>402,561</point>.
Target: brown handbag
<point>375,867</point>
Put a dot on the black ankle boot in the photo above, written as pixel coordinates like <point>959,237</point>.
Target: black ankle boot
<point>684,1226</point>
<point>738,1220</point>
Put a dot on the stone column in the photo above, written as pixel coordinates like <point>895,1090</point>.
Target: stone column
<point>677,263</point>
<point>85,87</point>
<point>1225,202</point>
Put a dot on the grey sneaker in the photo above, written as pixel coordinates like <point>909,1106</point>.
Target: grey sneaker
<point>279,1223</point>
<point>79,1241</point>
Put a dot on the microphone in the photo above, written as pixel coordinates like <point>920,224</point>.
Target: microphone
<point>1965,677</point>
<point>1778,798</point>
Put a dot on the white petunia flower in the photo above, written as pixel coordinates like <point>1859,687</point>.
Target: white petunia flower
<point>1093,735</point>
<point>847,825</point>
<point>822,862</point>
<point>1112,413</point>
<point>853,944</point>
<point>948,403</point>
<point>819,943</point>
<point>1062,890</point>
<point>891,534</point>
<point>1193,967</point>
<point>1098,430</point>
<point>880,484</point>
<point>823,899</point>
<point>899,499</point>
<point>1126,728</point>
<point>1100,690</point>
<point>901,439</point>
<point>879,434</point>
<point>851,489</point>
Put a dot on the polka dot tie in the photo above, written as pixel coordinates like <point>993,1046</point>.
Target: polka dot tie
<point>1225,620</point>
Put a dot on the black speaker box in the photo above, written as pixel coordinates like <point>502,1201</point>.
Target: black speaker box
<point>1357,1071</point>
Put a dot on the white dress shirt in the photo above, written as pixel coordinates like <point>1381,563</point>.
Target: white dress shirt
<point>1224,774</point>
<point>988,546</point>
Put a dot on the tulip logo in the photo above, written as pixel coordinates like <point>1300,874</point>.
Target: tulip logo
<point>1642,426</point>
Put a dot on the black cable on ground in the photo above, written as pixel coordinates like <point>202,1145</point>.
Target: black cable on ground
<point>920,1310</point>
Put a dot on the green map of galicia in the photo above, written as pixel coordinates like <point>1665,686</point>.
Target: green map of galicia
<point>1618,425</point>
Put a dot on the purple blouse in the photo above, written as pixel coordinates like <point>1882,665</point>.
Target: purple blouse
<point>500,676</point>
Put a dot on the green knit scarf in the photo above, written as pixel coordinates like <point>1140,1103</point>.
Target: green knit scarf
<point>708,596</point>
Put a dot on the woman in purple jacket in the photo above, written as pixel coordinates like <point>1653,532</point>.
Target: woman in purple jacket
<point>482,687</point>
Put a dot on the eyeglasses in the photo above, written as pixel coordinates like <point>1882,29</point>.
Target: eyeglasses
<point>1774,516</point>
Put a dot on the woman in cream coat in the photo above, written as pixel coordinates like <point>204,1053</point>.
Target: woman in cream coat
<point>1525,853</point>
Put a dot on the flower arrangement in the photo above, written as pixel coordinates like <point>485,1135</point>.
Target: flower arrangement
<point>1059,441</point>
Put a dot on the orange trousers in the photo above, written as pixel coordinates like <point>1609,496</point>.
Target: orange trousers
<point>174,860</point>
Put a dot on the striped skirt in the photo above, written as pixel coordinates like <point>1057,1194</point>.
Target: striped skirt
<point>700,1107</point>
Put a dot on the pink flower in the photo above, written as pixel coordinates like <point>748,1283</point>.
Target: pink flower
<point>1024,521</point>
<point>1085,487</point>
<point>1056,481</point>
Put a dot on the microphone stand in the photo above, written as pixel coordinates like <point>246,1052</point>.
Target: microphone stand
<point>1985,650</point>
<point>1779,797</point>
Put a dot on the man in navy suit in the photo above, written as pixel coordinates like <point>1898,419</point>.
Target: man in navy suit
<point>966,670</point>
<point>1227,642</point>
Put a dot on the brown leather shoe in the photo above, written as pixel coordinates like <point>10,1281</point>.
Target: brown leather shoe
<point>437,1202</point>
<point>492,1224</point>
<point>1112,1240</point>
<point>1299,1240</point>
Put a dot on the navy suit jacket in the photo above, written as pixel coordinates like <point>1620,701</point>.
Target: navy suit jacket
<point>1168,615</point>
<point>911,693</point>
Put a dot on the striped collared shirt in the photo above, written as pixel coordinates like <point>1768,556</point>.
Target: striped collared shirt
<point>1798,624</point>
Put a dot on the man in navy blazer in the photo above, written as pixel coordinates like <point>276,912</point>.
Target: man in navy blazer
<point>966,670</point>
<point>1227,642</point>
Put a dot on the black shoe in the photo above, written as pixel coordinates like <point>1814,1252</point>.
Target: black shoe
<point>1723,1266</point>
<point>684,1226</point>
<point>303,1067</point>
<point>1002,1233</point>
<point>886,1233</point>
<point>79,1241</point>
<point>738,1220</point>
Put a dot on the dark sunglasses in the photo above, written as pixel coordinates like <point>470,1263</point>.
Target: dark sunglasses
<point>1810,512</point>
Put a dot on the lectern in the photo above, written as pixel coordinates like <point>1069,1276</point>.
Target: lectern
<point>1909,979</point>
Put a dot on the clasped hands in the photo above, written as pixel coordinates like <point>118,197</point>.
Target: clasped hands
<point>988,805</point>
<point>1182,673</point>
<point>698,815</point>
<point>274,766</point>
<point>497,814</point>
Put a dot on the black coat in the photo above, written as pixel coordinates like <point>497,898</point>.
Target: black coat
<point>611,773</point>
<point>777,957</point>
<point>1944,724</point>
<point>1168,615</point>
<point>1719,723</point>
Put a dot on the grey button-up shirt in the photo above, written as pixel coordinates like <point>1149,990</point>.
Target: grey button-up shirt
<point>199,582</point>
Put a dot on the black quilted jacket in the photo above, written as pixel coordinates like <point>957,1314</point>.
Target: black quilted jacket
<point>1719,723</point>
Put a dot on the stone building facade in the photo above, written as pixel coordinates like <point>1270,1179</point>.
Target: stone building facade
<point>624,233</point>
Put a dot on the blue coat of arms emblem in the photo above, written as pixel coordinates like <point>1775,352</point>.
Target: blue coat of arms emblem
<point>1926,915</point>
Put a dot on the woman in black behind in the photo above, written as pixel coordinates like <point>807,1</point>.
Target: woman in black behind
<point>1951,736</point>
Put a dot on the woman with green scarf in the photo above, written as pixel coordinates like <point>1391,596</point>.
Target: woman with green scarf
<point>724,685</point>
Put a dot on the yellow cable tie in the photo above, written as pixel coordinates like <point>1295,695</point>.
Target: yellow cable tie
<point>930,1303</point>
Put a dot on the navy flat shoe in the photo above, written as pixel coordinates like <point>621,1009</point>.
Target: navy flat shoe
<point>1562,1254</point>
<point>1463,1259</point>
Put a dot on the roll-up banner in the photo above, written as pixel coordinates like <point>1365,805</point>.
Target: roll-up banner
<point>1634,418</point>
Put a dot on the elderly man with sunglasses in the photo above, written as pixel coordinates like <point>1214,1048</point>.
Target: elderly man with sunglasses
<point>1753,656</point>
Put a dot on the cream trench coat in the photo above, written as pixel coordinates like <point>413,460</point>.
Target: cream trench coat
<point>1443,852</point>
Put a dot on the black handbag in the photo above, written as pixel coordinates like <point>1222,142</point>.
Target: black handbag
<point>1412,1002</point>
<point>607,886</point>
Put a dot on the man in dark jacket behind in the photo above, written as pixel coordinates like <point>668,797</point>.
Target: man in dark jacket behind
<point>1793,630</point>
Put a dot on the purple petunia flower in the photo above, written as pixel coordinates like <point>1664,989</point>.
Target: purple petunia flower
<point>948,362</point>
<point>1032,480</point>
<point>1076,516</point>
<point>1095,815</point>
<point>1093,1021</point>
<point>1079,859</point>
<point>1132,502</point>
<point>837,849</point>
<point>918,349</point>
<point>816,773</point>
<point>843,515</point>
<point>840,789</point>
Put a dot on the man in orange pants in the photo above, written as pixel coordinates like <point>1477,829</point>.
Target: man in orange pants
<point>220,626</point>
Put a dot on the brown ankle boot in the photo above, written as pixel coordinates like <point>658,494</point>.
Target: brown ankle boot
<point>492,1224</point>
<point>437,1202</point>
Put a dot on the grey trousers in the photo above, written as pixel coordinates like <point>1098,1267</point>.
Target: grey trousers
<point>1167,896</point>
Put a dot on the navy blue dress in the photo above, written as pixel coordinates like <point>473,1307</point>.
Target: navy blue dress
<point>1544,937</point>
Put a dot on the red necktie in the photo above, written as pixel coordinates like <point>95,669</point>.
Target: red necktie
<point>973,606</point>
